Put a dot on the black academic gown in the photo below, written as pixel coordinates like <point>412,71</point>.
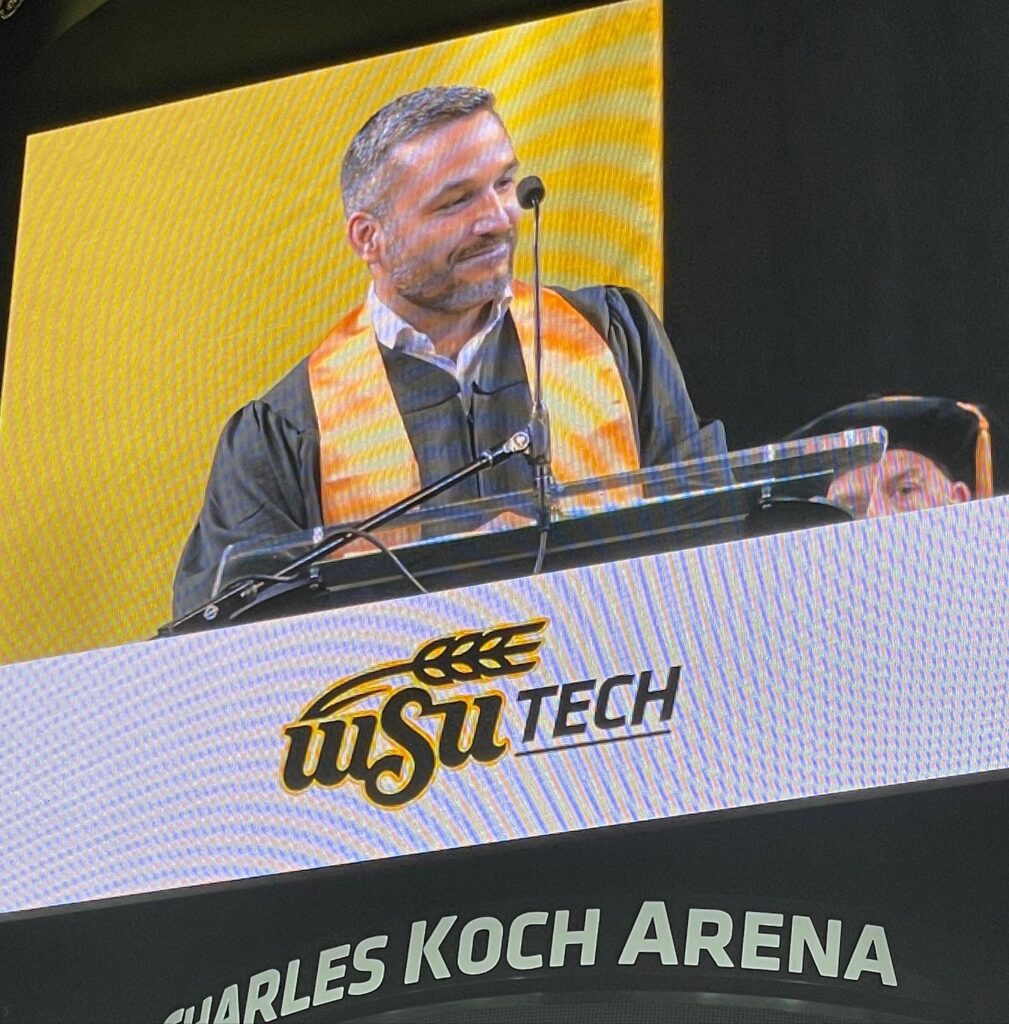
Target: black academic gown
<point>265,477</point>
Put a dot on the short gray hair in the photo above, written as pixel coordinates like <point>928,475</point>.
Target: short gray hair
<point>362,177</point>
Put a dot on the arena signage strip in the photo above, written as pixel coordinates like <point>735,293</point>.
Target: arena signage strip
<point>452,949</point>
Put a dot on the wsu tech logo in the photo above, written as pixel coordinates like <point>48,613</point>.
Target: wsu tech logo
<point>389,729</point>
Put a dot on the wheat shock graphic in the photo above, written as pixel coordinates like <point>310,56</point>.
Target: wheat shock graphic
<point>386,751</point>
<point>461,658</point>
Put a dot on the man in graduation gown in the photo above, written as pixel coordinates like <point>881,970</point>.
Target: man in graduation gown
<point>434,367</point>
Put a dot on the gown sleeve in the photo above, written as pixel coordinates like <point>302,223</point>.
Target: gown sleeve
<point>263,483</point>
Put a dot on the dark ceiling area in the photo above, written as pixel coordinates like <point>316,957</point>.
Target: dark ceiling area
<point>122,54</point>
<point>837,173</point>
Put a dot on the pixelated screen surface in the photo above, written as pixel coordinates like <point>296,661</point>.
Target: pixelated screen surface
<point>173,263</point>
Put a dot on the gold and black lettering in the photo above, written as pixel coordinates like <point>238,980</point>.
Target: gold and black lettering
<point>390,753</point>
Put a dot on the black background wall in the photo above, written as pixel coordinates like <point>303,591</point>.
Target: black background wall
<point>838,204</point>
<point>837,173</point>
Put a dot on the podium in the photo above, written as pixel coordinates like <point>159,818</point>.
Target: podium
<point>701,501</point>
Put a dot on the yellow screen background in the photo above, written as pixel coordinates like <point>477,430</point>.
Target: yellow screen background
<point>173,263</point>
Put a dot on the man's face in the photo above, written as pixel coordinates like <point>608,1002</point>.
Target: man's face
<point>907,481</point>
<point>447,236</point>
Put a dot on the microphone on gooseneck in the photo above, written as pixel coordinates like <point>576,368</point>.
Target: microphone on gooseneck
<point>530,193</point>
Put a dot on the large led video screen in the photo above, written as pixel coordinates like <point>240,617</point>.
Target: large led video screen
<point>750,770</point>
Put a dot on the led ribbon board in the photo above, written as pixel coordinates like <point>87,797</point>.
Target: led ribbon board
<point>709,679</point>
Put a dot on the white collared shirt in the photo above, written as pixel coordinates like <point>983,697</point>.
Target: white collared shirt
<point>395,333</point>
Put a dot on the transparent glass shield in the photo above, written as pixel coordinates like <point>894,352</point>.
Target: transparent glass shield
<point>684,504</point>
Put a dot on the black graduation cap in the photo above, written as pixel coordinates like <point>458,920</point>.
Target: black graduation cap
<point>957,436</point>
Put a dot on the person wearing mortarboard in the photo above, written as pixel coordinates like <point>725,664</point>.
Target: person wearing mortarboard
<point>939,452</point>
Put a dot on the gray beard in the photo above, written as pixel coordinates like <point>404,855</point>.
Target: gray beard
<point>437,293</point>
